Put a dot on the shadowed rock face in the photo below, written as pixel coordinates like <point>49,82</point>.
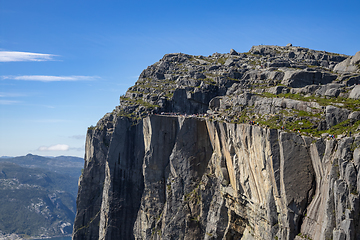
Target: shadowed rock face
<point>173,176</point>
<point>91,187</point>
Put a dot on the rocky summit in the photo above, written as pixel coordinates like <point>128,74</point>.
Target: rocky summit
<point>257,145</point>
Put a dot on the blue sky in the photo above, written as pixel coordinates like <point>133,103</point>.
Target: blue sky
<point>64,64</point>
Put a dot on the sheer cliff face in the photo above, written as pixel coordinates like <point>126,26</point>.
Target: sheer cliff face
<point>172,176</point>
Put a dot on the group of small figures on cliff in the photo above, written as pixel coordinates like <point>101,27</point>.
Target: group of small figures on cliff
<point>250,122</point>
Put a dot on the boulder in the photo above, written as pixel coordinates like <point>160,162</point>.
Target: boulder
<point>354,115</point>
<point>234,74</point>
<point>353,80</point>
<point>276,90</point>
<point>230,62</point>
<point>355,59</point>
<point>355,93</point>
<point>275,75</point>
<point>199,75</point>
<point>310,89</point>
<point>291,55</point>
<point>324,63</point>
<point>327,78</point>
<point>214,103</point>
<point>233,52</point>
<point>349,64</point>
<point>335,115</point>
<point>333,92</point>
<point>344,66</point>
<point>298,79</point>
<point>214,67</point>
<point>330,90</point>
<point>278,64</point>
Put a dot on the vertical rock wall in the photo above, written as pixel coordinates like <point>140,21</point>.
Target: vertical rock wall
<point>91,187</point>
<point>123,185</point>
<point>192,178</point>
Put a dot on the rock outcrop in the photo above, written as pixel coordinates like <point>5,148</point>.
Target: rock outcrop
<point>350,64</point>
<point>257,145</point>
<point>355,93</point>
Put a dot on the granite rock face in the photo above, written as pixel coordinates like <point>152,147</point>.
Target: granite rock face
<point>227,147</point>
<point>355,93</point>
<point>350,64</point>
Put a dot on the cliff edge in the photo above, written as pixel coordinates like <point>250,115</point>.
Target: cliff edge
<point>256,145</point>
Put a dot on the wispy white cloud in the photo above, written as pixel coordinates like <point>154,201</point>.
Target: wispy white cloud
<point>78,136</point>
<point>57,147</point>
<point>13,56</point>
<point>7,94</point>
<point>46,78</point>
<point>8,102</point>
<point>78,149</point>
<point>50,120</point>
<point>10,95</point>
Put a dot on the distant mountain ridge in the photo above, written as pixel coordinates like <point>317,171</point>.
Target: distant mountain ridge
<point>37,195</point>
<point>61,164</point>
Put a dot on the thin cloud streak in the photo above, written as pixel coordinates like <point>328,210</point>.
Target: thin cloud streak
<point>8,102</point>
<point>46,78</point>
<point>13,56</point>
<point>78,149</point>
<point>57,147</point>
<point>50,120</point>
<point>7,94</point>
<point>78,137</point>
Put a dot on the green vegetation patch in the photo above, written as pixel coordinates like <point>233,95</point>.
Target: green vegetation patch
<point>343,127</point>
<point>209,81</point>
<point>193,196</point>
<point>221,60</point>
<point>131,115</point>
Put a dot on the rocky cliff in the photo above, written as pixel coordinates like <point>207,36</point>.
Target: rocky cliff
<point>256,145</point>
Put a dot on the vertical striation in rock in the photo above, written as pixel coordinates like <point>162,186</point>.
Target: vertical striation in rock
<point>230,146</point>
<point>124,182</point>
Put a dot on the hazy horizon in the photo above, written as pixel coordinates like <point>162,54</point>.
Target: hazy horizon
<point>64,64</point>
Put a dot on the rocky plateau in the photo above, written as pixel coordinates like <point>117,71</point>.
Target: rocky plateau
<point>257,145</point>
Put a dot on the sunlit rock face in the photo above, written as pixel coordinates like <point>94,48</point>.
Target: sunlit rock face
<point>208,152</point>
